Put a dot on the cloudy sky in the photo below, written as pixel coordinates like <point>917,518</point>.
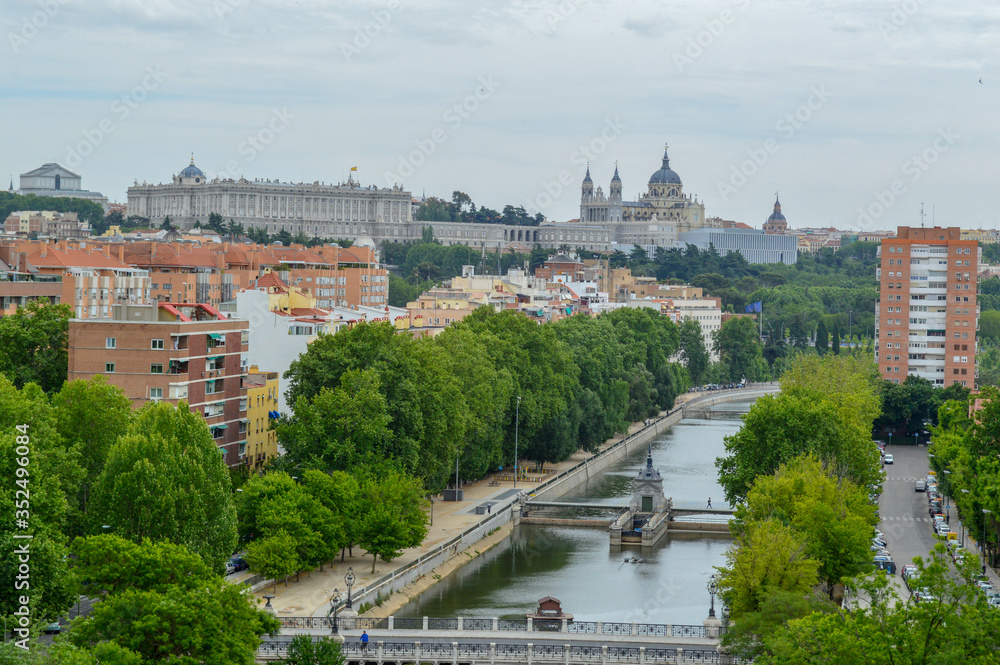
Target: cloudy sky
<point>856,111</point>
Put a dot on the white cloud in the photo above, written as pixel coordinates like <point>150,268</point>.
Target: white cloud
<point>566,67</point>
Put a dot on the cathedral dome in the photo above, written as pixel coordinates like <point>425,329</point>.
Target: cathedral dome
<point>776,216</point>
<point>666,175</point>
<point>192,171</point>
<point>616,177</point>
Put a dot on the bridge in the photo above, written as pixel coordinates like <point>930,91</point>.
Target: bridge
<point>478,641</point>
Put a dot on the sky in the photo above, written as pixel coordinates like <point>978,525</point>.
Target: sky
<point>857,112</point>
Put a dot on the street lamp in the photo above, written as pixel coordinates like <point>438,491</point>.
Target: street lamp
<point>334,606</point>
<point>963,525</point>
<point>713,588</point>
<point>982,545</point>
<point>349,581</point>
<point>517,422</point>
<point>947,497</point>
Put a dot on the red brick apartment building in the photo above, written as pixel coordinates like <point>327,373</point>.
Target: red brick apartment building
<point>928,314</point>
<point>171,352</point>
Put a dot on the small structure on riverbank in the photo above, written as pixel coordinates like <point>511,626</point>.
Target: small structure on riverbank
<point>647,490</point>
<point>549,608</point>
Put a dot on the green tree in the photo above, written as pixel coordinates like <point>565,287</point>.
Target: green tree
<point>693,350</point>
<point>303,650</point>
<point>835,517</point>
<point>33,345</point>
<point>826,407</point>
<point>822,338</point>
<point>738,345</point>
<point>111,565</point>
<point>957,627</point>
<point>767,557</point>
<point>989,325</point>
<point>165,480</point>
<point>216,223</point>
<point>91,415</point>
<point>275,503</point>
<point>214,624</point>
<point>273,556</point>
<point>393,517</point>
<point>168,225</point>
<point>341,428</point>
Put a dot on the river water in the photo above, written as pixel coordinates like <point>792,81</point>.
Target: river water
<point>578,566</point>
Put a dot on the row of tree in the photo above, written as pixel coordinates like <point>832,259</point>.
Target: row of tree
<point>461,209</point>
<point>109,488</point>
<point>455,403</point>
<point>966,457</point>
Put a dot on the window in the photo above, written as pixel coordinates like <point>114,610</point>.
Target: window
<point>155,394</point>
<point>109,367</point>
<point>109,343</point>
<point>156,344</point>
<point>156,368</point>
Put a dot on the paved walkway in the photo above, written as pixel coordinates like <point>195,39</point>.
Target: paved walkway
<point>312,592</point>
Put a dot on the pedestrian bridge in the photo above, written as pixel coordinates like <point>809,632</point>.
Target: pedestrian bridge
<point>478,641</point>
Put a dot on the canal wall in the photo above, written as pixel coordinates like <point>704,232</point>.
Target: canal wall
<point>573,477</point>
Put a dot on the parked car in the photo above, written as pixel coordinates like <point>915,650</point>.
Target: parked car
<point>888,458</point>
<point>908,569</point>
<point>878,542</point>
<point>238,564</point>
<point>886,564</point>
<point>53,628</point>
<point>920,486</point>
<point>923,595</point>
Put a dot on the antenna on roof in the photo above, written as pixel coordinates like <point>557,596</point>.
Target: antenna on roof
<point>922,215</point>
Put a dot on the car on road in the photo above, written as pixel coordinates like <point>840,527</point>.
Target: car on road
<point>53,628</point>
<point>920,486</point>
<point>908,570</point>
<point>238,564</point>
<point>888,458</point>
<point>923,595</point>
<point>885,563</point>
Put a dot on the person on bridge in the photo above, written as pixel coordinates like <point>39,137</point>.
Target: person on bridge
<point>709,503</point>
<point>364,639</point>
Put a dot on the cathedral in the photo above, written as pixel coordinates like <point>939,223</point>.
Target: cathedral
<point>664,206</point>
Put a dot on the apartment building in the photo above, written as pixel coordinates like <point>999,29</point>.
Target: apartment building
<point>927,316</point>
<point>262,408</point>
<point>171,352</point>
<point>89,279</point>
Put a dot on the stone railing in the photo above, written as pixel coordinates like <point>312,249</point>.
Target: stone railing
<point>468,624</point>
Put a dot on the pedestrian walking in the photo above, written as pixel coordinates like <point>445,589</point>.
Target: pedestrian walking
<point>364,640</point>
<point>709,502</point>
<point>489,508</point>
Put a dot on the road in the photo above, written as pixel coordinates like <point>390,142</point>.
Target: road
<point>903,511</point>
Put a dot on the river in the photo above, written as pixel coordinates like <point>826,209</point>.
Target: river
<point>578,566</point>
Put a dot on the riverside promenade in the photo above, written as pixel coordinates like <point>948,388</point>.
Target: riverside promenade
<point>457,534</point>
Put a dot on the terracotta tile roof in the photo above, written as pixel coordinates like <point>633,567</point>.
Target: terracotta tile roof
<point>309,311</point>
<point>270,281</point>
<point>54,257</point>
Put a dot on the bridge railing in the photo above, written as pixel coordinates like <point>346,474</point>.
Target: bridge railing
<point>480,624</point>
<point>469,652</point>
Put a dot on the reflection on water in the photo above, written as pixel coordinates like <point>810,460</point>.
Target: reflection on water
<point>577,565</point>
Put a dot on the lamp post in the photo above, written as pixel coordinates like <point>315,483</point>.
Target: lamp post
<point>334,606</point>
<point>982,545</point>
<point>963,525</point>
<point>349,581</point>
<point>947,497</point>
<point>517,422</point>
<point>713,588</point>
